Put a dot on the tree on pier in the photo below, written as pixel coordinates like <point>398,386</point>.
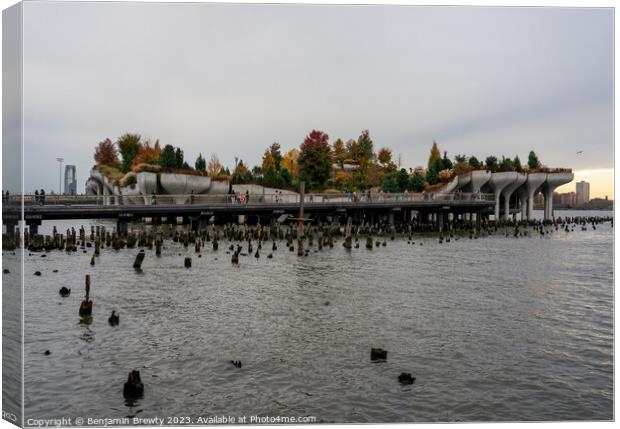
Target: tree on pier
<point>340,152</point>
<point>146,155</point>
<point>106,153</point>
<point>268,161</point>
<point>434,156</point>
<point>417,182</point>
<point>215,168</point>
<point>402,179</point>
<point>200,164</point>
<point>473,162</point>
<point>516,163</point>
<point>240,174</point>
<point>364,147</point>
<point>276,155</point>
<point>315,163</point>
<point>129,146</point>
<point>491,163</point>
<point>384,156</point>
<point>532,161</point>
<point>178,158</point>
<point>167,158</point>
<point>506,164</point>
<point>291,164</point>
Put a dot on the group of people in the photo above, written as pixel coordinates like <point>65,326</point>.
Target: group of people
<point>240,199</point>
<point>39,197</point>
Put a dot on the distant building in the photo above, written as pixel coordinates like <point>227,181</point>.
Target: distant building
<point>70,180</point>
<point>539,199</point>
<point>583,192</point>
<point>567,199</point>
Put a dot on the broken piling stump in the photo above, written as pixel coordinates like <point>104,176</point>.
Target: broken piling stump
<point>378,354</point>
<point>86,306</point>
<point>133,387</point>
<point>139,258</point>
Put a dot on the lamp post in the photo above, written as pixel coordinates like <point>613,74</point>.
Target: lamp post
<point>60,161</point>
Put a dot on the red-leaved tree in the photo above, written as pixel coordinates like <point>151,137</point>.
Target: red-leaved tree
<point>315,160</point>
<point>106,153</point>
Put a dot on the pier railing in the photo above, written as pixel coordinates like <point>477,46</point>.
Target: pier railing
<point>241,198</point>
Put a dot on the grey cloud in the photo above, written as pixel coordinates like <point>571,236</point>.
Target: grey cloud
<point>232,79</point>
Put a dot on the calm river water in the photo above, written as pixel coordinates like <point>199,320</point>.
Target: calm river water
<point>494,329</point>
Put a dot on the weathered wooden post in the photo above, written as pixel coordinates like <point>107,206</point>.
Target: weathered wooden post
<point>86,307</point>
<point>158,246</point>
<point>139,258</point>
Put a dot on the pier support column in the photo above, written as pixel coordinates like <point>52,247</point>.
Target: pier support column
<point>122,224</point>
<point>548,204</point>
<point>122,227</point>
<point>10,228</point>
<point>423,218</point>
<point>440,220</point>
<point>33,227</point>
<point>553,181</point>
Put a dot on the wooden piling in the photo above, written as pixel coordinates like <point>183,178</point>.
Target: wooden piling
<point>139,258</point>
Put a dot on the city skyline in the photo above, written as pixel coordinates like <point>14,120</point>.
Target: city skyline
<point>465,76</point>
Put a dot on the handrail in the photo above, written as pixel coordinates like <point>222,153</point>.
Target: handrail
<point>312,198</point>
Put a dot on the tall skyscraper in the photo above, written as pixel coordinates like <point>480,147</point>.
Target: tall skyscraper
<point>70,180</point>
<point>583,192</point>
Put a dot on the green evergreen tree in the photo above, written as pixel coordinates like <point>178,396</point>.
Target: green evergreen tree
<point>269,177</point>
<point>506,164</point>
<point>417,183</point>
<point>446,164</point>
<point>178,156</point>
<point>286,178</point>
<point>390,183</point>
<point>532,161</point>
<point>365,146</point>
<point>129,146</point>
<point>200,164</point>
<point>473,162</point>
<point>402,180</point>
<point>491,163</point>
<point>167,158</point>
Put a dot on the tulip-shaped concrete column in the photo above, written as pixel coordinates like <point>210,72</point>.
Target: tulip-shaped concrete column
<point>479,178</point>
<point>509,189</point>
<point>498,182</point>
<point>553,181</point>
<point>531,186</point>
<point>521,194</point>
<point>464,180</point>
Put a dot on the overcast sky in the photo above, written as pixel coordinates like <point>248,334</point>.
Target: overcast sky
<point>232,79</point>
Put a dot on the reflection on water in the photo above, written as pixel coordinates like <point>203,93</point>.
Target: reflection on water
<point>493,329</point>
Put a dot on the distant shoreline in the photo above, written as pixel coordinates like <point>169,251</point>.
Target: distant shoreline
<point>609,208</point>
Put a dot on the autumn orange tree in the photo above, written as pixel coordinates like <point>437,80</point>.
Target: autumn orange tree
<point>146,155</point>
<point>106,153</point>
<point>214,167</point>
<point>290,163</point>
